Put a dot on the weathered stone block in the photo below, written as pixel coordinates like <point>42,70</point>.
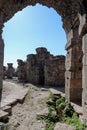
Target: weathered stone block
<point>84,44</point>
<point>55,71</point>
<point>84,59</point>
<point>73,88</point>
<point>75,94</point>
<point>84,77</point>
<point>82,19</point>
<point>68,44</point>
<point>68,62</point>
<point>70,35</point>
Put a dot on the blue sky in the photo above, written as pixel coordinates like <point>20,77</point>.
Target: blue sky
<point>34,26</point>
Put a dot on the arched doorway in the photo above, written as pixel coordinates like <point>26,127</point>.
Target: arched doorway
<point>33,27</point>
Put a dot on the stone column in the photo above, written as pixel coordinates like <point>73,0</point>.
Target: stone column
<point>73,64</point>
<point>84,77</point>
<point>10,71</point>
<point>1,64</point>
<point>21,70</point>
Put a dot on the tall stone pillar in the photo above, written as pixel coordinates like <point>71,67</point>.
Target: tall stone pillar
<point>84,77</point>
<point>73,64</point>
<point>10,71</point>
<point>21,70</point>
<point>1,64</point>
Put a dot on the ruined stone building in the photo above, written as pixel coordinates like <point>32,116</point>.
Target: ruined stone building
<point>42,68</point>
<point>74,18</point>
<point>35,66</point>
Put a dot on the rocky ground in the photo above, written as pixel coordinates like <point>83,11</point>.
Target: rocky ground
<point>24,115</point>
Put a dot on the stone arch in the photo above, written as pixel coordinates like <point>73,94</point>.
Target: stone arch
<point>68,10</point>
<point>72,24</point>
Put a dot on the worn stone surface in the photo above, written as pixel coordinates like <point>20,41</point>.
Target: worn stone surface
<point>77,108</point>
<point>3,115</point>
<point>12,93</point>
<point>84,75</point>
<point>55,71</point>
<point>7,109</point>
<point>56,92</point>
<point>15,93</point>
<point>61,126</point>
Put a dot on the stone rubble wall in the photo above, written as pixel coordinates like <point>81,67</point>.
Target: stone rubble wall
<point>32,69</point>
<point>55,71</point>
<point>44,68</point>
<point>35,65</point>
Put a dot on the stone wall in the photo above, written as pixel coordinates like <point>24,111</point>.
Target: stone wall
<point>35,65</point>
<point>32,69</point>
<point>55,71</point>
<point>44,68</point>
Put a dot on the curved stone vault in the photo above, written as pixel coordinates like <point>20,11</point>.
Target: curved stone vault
<point>74,17</point>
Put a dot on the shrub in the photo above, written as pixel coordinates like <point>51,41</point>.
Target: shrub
<point>64,112</point>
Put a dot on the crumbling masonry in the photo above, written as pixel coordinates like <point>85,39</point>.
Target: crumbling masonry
<point>42,68</point>
<point>74,17</point>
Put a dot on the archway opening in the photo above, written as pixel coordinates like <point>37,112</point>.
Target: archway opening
<point>31,28</point>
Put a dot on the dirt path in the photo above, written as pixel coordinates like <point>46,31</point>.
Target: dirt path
<point>24,115</point>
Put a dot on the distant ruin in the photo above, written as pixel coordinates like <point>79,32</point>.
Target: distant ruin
<point>9,72</point>
<point>42,68</point>
<point>21,70</point>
